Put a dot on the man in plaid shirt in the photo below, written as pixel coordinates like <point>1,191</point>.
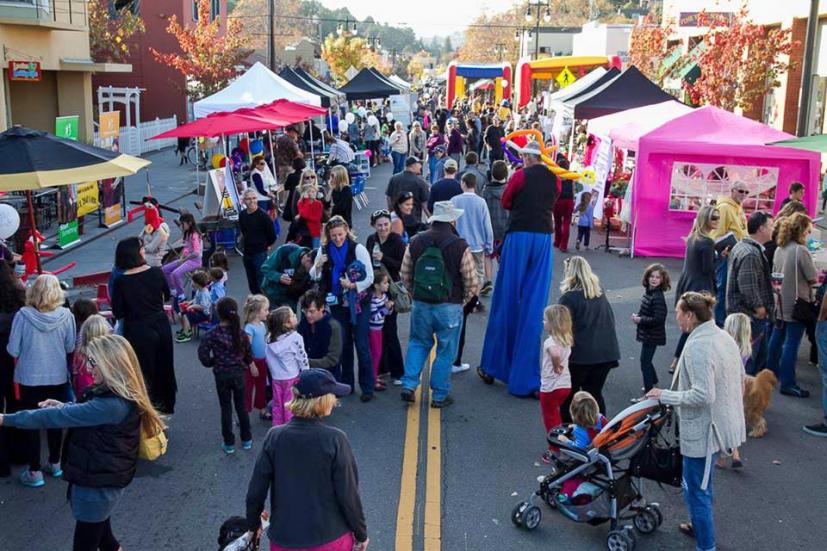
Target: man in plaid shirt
<point>749,290</point>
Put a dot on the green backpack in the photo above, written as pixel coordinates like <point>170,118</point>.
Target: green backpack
<point>432,282</point>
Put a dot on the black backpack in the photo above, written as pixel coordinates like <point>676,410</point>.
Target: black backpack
<point>432,282</point>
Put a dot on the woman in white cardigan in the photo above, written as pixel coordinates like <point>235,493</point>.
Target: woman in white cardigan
<point>706,389</point>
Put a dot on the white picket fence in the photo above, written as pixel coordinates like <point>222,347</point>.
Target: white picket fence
<point>134,139</point>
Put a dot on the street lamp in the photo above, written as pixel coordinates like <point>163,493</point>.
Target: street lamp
<point>538,5</point>
<point>344,27</point>
<point>375,43</point>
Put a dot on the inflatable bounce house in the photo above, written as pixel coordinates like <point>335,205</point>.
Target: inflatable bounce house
<point>548,68</point>
<point>460,74</point>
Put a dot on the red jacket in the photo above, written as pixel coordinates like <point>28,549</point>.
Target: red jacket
<point>311,211</point>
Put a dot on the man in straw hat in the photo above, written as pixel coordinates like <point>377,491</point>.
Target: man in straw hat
<point>511,352</point>
<point>439,270</point>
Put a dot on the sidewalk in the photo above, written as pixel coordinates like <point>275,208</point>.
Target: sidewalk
<point>171,184</point>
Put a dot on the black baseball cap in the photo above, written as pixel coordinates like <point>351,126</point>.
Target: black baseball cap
<point>315,382</point>
<point>412,160</point>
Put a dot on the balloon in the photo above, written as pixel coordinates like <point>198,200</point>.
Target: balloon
<point>373,121</point>
<point>350,117</point>
<point>256,147</point>
<point>217,160</point>
<point>9,221</point>
<point>505,83</point>
<point>342,127</point>
<point>368,153</point>
<point>238,160</point>
<point>389,116</point>
<point>361,111</point>
<point>244,145</point>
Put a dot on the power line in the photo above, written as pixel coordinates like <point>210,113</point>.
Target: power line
<point>313,19</point>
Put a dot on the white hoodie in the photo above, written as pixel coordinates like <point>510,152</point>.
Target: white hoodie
<point>286,357</point>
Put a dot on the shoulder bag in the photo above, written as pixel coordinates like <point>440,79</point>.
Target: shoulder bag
<point>400,296</point>
<point>661,459</point>
<point>152,447</point>
<point>804,310</point>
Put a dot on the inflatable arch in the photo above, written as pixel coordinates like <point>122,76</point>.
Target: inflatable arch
<point>549,68</point>
<point>458,74</point>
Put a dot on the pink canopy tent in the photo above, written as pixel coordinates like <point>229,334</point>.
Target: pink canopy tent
<point>626,127</point>
<point>696,157</point>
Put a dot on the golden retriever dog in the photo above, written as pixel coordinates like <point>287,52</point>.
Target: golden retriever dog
<point>757,393</point>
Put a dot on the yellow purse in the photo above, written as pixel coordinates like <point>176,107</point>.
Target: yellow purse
<point>152,447</point>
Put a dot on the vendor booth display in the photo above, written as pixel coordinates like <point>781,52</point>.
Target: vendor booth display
<point>691,160</point>
<point>549,68</point>
<point>460,73</point>
<point>366,85</point>
<point>259,85</point>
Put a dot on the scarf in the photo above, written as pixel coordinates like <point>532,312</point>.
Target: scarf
<point>337,258</point>
<point>355,272</point>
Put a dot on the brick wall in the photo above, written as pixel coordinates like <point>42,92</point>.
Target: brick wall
<point>799,34</point>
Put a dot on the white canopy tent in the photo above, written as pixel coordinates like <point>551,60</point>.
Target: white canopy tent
<point>561,95</point>
<point>258,86</point>
<point>636,122</point>
<point>400,83</point>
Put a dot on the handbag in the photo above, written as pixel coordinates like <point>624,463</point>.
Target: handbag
<point>804,311</point>
<point>661,459</point>
<point>401,297</point>
<point>152,447</point>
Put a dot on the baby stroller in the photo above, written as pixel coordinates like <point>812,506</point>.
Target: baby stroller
<point>596,485</point>
<point>233,534</point>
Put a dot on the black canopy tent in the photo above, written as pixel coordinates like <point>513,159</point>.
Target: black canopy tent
<point>629,90</point>
<point>384,78</point>
<point>318,83</point>
<point>366,85</point>
<point>293,78</point>
<point>604,79</point>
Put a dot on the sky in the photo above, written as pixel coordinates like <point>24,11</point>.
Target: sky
<point>426,17</point>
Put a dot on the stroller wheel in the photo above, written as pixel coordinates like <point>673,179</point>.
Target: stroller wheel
<point>531,517</point>
<point>620,540</point>
<point>517,513</point>
<point>655,507</point>
<point>646,521</point>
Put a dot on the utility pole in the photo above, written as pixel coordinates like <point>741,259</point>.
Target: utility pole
<point>271,35</point>
<point>807,71</point>
<point>538,4</point>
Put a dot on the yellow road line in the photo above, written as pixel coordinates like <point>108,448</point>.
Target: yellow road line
<point>407,490</point>
<point>433,484</point>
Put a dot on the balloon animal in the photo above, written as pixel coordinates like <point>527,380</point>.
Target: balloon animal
<point>546,155</point>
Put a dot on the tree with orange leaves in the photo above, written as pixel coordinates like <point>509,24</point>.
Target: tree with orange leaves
<point>649,47</point>
<point>209,56</point>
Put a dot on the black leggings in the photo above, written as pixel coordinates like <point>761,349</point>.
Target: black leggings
<point>94,536</point>
<point>30,396</point>
<point>590,378</point>
<point>467,309</point>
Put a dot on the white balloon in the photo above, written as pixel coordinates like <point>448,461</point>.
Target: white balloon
<point>505,83</point>
<point>350,117</point>
<point>342,126</point>
<point>362,111</point>
<point>373,121</point>
<point>9,221</point>
<point>389,116</point>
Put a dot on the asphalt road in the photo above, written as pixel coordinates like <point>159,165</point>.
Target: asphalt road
<point>461,481</point>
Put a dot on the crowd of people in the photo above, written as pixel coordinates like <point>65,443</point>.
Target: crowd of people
<point>321,318</point>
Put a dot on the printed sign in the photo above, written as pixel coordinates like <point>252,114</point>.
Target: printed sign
<point>88,201</point>
<point>111,201</point>
<point>219,198</point>
<point>110,125</point>
<point>67,234</point>
<point>565,78</point>
<point>67,127</point>
<point>692,18</point>
<point>26,71</point>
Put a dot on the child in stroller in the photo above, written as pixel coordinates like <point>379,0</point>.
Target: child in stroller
<point>234,536</point>
<point>594,483</point>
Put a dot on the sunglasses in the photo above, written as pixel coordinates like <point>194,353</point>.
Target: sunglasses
<point>380,213</point>
<point>309,178</point>
<point>742,191</point>
<point>715,218</point>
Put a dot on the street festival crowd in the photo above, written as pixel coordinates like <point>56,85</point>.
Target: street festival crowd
<point>455,207</point>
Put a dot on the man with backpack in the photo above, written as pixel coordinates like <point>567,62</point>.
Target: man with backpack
<point>439,269</point>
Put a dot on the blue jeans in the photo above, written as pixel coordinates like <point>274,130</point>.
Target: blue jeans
<point>427,321</point>
<point>398,161</point>
<point>760,345</point>
<point>720,294</point>
<point>252,266</point>
<point>698,501</point>
<point>355,335</point>
<point>783,354</point>
<point>821,341</point>
<point>432,168</point>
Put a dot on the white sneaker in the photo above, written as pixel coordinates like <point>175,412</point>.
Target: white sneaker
<point>397,382</point>
<point>460,368</point>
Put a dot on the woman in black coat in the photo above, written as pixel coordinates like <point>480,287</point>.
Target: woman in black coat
<point>699,263</point>
<point>389,257</point>
<point>651,321</point>
<point>595,349</point>
<point>12,299</point>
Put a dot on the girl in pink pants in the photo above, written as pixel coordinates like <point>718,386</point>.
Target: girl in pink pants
<point>380,307</point>
<point>286,358</point>
<point>190,256</point>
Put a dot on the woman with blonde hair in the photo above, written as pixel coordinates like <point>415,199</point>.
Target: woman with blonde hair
<point>341,196</point>
<point>95,326</point>
<point>42,334</point>
<point>309,470</point>
<point>595,350</point>
<point>699,262</point>
<point>103,440</point>
<point>800,276</point>
<point>417,139</point>
<point>344,271</point>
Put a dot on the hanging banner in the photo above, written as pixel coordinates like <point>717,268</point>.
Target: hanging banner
<point>110,130</point>
<point>87,198</point>
<point>67,127</point>
<point>67,217</point>
<point>111,202</point>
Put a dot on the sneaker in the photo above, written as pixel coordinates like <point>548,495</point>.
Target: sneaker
<point>184,337</point>
<point>246,444</point>
<point>365,398</point>
<point>486,378</point>
<point>445,402</point>
<point>547,458</point>
<point>396,382</point>
<point>460,368</point>
<point>53,469</point>
<point>487,288</point>
<point>577,245</point>
<point>229,450</point>
<point>816,430</point>
<point>407,395</point>
<point>32,479</point>
<point>795,392</point>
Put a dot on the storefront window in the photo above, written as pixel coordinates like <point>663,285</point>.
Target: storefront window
<point>697,184</point>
